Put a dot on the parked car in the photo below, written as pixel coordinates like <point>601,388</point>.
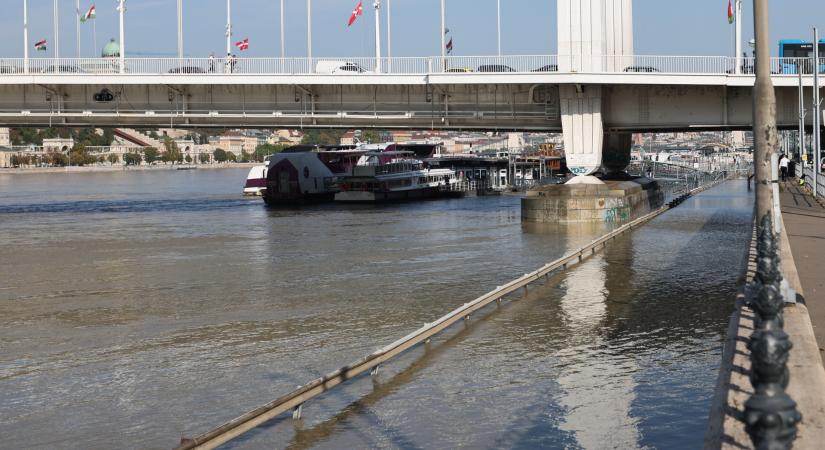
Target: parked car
<point>548,68</point>
<point>187,69</point>
<point>641,69</point>
<point>339,67</point>
<point>10,69</point>
<point>459,69</point>
<point>495,68</point>
<point>63,69</point>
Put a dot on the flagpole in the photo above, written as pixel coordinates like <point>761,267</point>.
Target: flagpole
<point>738,44</point>
<point>309,33</point>
<point>283,49</point>
<point>443,31</point>
<point>94,37</point>
<point>77,28</point>
<point>56,23</point>
<point>498,25</point>
<point>377,6</point>
<point>122,9</point>
<point>228,29</point>
<point>180,29</point>
<point>389,37</point>
<point>25,36</point>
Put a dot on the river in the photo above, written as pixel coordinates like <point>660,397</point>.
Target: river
<point>139,307</point>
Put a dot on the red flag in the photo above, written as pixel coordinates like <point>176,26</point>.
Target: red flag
<point>243,45</point>
<point>730,12</point>
<point>358,11</point>
<point>450,46</point>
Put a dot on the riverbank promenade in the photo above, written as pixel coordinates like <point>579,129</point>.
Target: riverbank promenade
<point>804,219</point>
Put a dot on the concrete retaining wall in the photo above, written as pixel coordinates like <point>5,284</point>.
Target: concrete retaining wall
<point>612,202</point>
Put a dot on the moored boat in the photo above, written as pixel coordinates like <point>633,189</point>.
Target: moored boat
<point>395,176</point>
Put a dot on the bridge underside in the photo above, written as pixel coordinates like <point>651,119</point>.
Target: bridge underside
<point>529,107</point>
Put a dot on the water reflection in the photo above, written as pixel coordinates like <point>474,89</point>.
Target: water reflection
<point>164,320</point>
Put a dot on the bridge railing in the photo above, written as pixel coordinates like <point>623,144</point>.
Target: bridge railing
<point>633,64</point>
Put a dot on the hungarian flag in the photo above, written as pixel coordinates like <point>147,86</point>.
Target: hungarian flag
<point>450,46</point>
<point>358,11</point>
<point>40,45</point>
<point>90,14</point>
<point>243,45</point>
<point>730,12</point>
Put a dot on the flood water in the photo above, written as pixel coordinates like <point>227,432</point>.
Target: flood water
<point>139,307</point>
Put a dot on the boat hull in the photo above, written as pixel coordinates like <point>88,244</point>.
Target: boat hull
<point>392,196</point>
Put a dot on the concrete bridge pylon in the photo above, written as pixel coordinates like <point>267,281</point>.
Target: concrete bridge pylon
<point>593,36</point>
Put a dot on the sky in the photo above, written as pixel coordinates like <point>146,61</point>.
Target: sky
<point>661,27</point>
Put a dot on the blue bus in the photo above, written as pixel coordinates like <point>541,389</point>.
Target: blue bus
<point>796,48</point>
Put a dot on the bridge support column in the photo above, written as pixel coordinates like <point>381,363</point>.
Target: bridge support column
<point>581,122</point>
<point>594,36</point>
<point>616,154</point>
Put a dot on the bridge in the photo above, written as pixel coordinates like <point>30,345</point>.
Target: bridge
<point>596,90</point>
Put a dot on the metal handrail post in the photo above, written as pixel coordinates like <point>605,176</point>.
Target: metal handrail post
<point>817,115</point>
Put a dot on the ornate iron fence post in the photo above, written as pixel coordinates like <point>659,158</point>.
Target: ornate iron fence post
<point>770,414</point>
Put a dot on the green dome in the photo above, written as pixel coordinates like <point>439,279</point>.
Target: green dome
<point>111,50</point>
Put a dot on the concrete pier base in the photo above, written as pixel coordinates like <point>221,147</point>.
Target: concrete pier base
<point>610,202</point>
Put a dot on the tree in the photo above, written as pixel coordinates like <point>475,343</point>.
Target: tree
<point>172,153</point>
<point>322,137</point>
<point>78,156</point>
<point>220,155</point>
<point>101,159</point>
<point>132,159</point>
<point>188,159</point>
<point>265,150</point>
<point>204,157</point>
<point>370,136</point>
<point>113,158</point>
<point>154,134</point>
<point>150,154</point>
<point>231,157</point>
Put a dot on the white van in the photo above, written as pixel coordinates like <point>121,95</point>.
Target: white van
<point>342,67</point>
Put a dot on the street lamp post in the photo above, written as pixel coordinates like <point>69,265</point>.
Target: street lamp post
<point>180,29</point>
<point>56,23</point>
<point>498,25</point>
<point>228,29</point>
<point>25,36</point>
<point>283,49</point>
<point>121,10</point>
<point>738,43</point>
<point>817,115</point>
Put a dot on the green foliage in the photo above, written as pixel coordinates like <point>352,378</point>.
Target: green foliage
<point>204,158</point>
<point>231,157</point>
<point>265,150</point>
<point>78,156</point>
<point>370,136</point>
<point>113,158</point>
<point>220,155</point>
<point>132,159</point>
<point>172,153</point>
<point>188,159</point>
<point>56,159</point>
<point>322,137</point>
<point>153,134</point>
<point>150,154</point>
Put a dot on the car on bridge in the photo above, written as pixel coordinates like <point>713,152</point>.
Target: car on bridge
<point>495,68</point>
<point>548,68</point>
<point>641,69</point>
<point>187,69</point>
<point>459,70</point>
<point>339,67</point>
<point>62,69</point>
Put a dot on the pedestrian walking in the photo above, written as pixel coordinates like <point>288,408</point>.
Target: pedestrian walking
<point>212,62</point>
<point>783,167</point>
<point>232,61</point>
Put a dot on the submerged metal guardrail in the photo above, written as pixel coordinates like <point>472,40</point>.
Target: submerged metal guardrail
<point>294,400</point>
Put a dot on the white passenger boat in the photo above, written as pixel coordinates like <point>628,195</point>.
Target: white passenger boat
<point>395,175</point>
<point>255,181</point>
<point>307,173</point>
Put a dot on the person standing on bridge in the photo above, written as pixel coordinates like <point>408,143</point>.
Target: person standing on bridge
<point>212,62</point>
<point>783,167</point>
